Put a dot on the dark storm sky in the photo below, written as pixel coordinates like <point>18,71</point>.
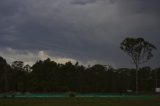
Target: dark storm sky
<point>89,31</point>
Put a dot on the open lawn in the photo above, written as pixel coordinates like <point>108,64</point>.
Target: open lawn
<point>93,101</point>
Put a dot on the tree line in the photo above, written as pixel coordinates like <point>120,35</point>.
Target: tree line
<point>48,76</point>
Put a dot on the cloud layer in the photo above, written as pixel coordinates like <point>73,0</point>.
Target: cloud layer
<point>83,30</point>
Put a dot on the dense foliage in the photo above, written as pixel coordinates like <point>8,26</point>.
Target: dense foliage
<point>48,76</point>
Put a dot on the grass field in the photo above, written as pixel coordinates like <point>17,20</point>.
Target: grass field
<point>94,101</point>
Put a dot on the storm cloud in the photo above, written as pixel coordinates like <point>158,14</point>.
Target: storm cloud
<point>82,30</point>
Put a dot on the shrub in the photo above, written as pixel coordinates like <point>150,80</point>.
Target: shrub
<point>72,94</point>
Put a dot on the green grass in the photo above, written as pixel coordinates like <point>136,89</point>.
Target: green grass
<point>155,101</point>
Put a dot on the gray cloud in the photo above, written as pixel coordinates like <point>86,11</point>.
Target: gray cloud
<point>83,2</point>
<point>80,29</point>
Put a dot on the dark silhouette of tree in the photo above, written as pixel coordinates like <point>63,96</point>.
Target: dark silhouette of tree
<point>146,79</point>
<point>2,62</point>
<point>4,71</point>
<point>19,76</point>
<point>139,50</point>
<point>45,76</point>
<point>27,68</point>
<point>156,73</point>
<point>18,65</point>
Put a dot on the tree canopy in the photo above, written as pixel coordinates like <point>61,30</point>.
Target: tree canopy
<point>138,49</point>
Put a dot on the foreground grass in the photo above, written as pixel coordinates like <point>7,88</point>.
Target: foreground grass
<point>80,102</point>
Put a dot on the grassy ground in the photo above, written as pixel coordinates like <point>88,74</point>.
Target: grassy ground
<point>80,102</point>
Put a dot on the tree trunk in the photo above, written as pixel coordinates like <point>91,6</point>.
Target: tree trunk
<point>137,82</point>
<point>156,78</point>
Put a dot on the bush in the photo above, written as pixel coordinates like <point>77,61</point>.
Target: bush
<point>4,96</point>
<point>72,94</point>
<point>13,96</point>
